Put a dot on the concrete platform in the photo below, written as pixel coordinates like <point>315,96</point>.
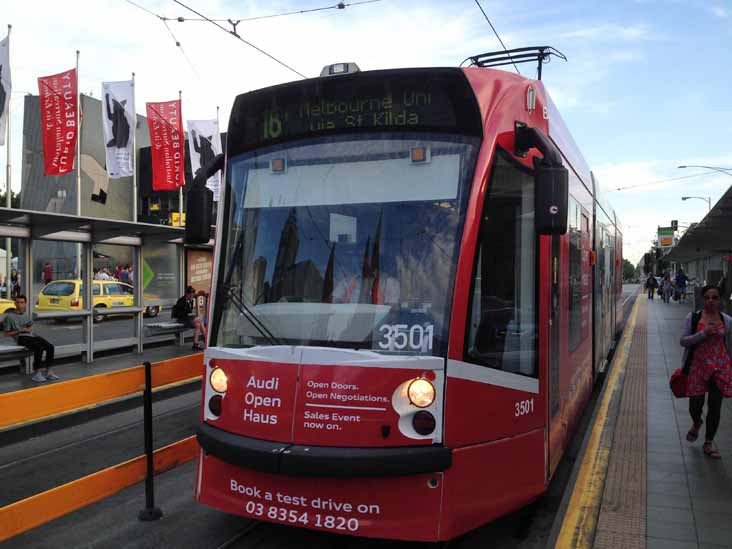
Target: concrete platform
<point>656,490</point>
<point>12,380</point>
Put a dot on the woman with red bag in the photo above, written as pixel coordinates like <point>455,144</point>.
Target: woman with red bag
<point>707,338</point>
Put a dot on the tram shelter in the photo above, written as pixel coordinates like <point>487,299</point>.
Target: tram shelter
<point>705,250</point>
<point>77,243</point>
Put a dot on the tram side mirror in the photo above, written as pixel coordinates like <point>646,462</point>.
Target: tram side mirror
<point>199,204</point>
<point>551,199</point>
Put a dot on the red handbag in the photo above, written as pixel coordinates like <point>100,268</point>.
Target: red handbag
<point>678,382</point>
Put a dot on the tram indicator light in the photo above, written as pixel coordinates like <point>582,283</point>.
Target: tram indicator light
<point>214,405</point>
<point>424,423</point>
<point>278,165</point>
<point>419,155</point>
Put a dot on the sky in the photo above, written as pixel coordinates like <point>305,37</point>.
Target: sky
<point>646,87</point>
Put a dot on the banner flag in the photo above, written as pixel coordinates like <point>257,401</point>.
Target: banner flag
<point>4,86</point>
<point>204,143</point>
<point>118,122</point>
<point>59,104</point>
<point>166,145</point>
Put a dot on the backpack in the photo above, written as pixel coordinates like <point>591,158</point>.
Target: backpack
<point>180,309</point>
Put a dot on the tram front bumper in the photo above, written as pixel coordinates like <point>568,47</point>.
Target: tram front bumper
<point>321,461</point>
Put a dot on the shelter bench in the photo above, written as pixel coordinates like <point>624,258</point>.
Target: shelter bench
<point>170,327</point>
<point>20,353</point>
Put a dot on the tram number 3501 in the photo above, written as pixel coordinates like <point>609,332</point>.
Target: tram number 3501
<point>523,407</point>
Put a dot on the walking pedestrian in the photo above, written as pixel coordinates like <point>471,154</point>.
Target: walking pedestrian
<point>707,337</point>
<point>681,281</point>
<point>668,288</point>
<point>651,285</point>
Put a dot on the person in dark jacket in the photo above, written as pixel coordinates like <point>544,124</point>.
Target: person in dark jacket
<point>184,312</point>
<point>651,285</point>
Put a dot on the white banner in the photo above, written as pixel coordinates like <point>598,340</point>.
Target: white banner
<point>4,86</point>
<point>118,121</point>
<point>204,143</point>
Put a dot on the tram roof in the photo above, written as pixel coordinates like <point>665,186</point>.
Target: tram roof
<point>17,223</point>
<point>711,236</point>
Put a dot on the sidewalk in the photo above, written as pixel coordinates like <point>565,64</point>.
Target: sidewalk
<point>689,495</point>
<point>681,499</point>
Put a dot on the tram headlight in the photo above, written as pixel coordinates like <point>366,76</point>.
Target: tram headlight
<point>218,380</point>
<point>421,393</point>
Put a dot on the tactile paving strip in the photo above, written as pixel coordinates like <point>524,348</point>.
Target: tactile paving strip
<point>622,520</point>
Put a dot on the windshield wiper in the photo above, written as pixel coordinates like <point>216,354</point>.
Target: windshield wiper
<point>250,316</point>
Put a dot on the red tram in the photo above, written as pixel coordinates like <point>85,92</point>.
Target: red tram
<point>416,283</point>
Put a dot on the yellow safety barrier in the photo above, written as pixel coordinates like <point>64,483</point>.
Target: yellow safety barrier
<point>27,405</point>
<point>28,513</point>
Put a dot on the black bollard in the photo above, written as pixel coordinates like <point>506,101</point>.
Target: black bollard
<point>150,512</point>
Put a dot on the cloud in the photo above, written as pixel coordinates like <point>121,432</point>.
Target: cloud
<point>719,11</point>
<point>610,32</point>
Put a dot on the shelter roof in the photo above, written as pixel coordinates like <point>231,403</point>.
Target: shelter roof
<point>55,226</point>
<point>711,236</point>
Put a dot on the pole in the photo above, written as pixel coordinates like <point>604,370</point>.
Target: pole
<point>180,189</point>
<point>78,139</point>
<point>150,512</point>
<point>78,162</point>
<point>134,153</point>
<point>8,190</point>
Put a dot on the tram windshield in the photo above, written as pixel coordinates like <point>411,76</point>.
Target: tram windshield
<point>344,242</point>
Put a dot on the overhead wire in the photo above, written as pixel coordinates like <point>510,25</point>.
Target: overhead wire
<point>497,35</point>
<point>660,181</point>
<point>338,6</point>
<point>170,31</point>
<point>178,44</point>
<point>235,34</point>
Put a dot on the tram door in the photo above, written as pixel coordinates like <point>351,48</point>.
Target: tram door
<point>556,425</point>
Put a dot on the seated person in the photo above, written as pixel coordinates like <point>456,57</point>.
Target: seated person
<point>184,311</point>
<point>19,326</point>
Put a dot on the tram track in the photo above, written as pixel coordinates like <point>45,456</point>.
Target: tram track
<point>41,463</point>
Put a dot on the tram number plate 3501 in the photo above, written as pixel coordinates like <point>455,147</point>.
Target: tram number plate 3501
<point>523,407</point>
<point>397,337</point>
<point>304,518</point>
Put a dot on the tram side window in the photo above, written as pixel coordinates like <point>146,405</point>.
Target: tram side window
<point>502,324</point>
<point>575,277</point>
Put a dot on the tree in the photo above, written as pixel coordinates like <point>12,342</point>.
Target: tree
<point>628,270</point>
<point>14,199</point>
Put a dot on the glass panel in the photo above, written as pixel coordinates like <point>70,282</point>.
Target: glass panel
<point>502,330</point>
<point>56,285</point>
<point>345,242</point>
<point>160,275</point>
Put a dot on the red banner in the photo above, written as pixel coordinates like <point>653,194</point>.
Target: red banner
<point>166,143</point>
<point>59,104</point>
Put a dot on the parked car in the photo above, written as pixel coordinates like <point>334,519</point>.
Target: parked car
<point>6,305</point>
<point>67,295</point>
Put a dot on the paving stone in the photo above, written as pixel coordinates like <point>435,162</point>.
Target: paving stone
<point>671,529</point>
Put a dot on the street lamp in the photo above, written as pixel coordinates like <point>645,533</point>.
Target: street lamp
<point>704,198</point>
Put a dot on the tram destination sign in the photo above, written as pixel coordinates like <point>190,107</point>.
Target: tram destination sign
<point>437,100</point>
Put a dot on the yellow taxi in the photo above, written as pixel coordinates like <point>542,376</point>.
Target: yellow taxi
<point>6,305</point>
<point>66,295</point>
